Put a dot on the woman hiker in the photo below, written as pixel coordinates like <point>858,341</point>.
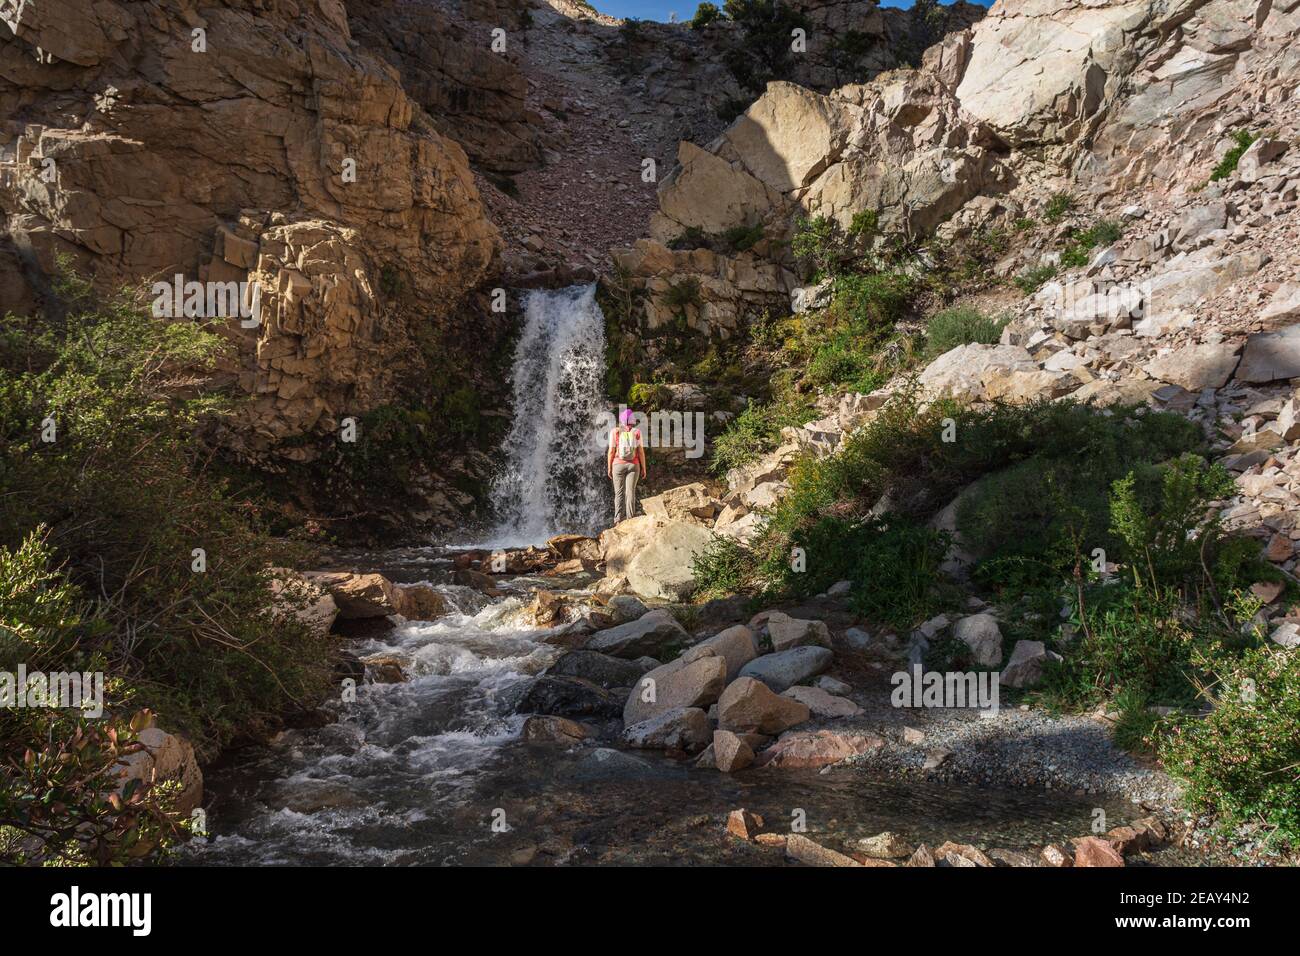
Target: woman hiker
<point>624,464</point>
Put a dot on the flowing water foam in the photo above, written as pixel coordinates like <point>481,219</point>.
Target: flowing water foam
<point>551,478</point>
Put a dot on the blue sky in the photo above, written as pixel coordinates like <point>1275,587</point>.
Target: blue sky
<point>685,9</point>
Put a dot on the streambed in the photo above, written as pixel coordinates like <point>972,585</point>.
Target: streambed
<point>433,771</point>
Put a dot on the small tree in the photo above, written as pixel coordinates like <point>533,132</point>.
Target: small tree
<point>705,14</point>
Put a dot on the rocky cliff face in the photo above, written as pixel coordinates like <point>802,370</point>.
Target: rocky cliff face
<point>355,163</point>
<point>246,142</point>
<point>1108,98</point>
<point>1132,114</point>
<point>239,143</point>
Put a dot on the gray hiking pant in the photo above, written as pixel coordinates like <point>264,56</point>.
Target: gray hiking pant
<point>625,479</point>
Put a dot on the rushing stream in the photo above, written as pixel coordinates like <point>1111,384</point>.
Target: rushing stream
<point>419,772</point>
<point>433,771</point>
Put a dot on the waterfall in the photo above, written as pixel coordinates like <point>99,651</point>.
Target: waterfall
<point>552,475</point>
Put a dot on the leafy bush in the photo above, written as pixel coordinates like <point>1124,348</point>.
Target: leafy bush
<point>720,569</point>
<point>729,241</point>
<point>742,238</point>
<point>903,452</point>
<point>1032,279</point>
<point>844,361</point>
<point>705,14</point>
<point>827,248</point>
<point>1059,206</point>
<point>682,294</point>
<point>1134,642</point>
<point>817,243</point>
<point>1160,516</point>
<point>896,579</point>
<point>59,803</point>
<point>764,55</point>
<point>649,396</point>
<point>1242,140</point>
<point>927,23</point>
<point>1077,252</point>
<point>1137,724</point>
<point>1243,759</point>
<point>128,492</point>
<point>753,432</point>
<point>961,325</point>
<point>1050,504</point>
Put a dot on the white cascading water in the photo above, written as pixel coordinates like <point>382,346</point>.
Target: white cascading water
<point>551,477</point>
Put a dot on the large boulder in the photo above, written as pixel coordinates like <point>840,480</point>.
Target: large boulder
<point>681,728</point>
<point>1025,667</point>
<point>747,706</point>
<point>980,632</point>
<point>357,595</point>
<point>986,372</point>
<point>1040,72</point>
<point>419,602</point>
<point>306,601</point>
<point>165,758</point>
<point>787,668</point>
<point>1271,356</point>
<point>822,703</point>
<point>787,632</point>
<point>681,683</point>
<point>690,503</point>
<point>654,634</point>
<point>735,645</point>
<point>662,569</point>
<point>1195,367</point>
<point>570,697</point>
<point>547,729</point>
<point>601,669</point>
<point>731,752</point>
<point>790,135</point>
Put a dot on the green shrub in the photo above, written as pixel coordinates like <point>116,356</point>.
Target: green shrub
<point>649,396</point>
<point>682,294</point>
<point>896,579</point>
<point>818,244</point>
<point>1032,279</point>
<point>742,238</point>
<point>903,451</point>
<point>754,432</point>
<point>1242,760</point>
<point>128,492</point>
<point>1059,206</point>
<point>1077,252</point>
<point>843,361</point>
<point>692,237</point>
<point>1242,140</point>
<point>764,55</point>
<point>59,805</point>
<point>1159,515</point>
<point>1136,726</point>
<point>705,14</point>
<point>720,569</point>
<point>872,303</point>
<point>961,325</point>
<point>1033,518</point>
<point>1134,641</point>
